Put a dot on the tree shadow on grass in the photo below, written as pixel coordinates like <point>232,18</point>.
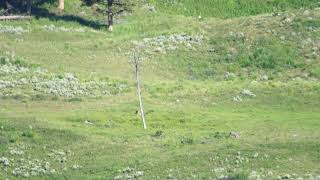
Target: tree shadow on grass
<point>38,12</point>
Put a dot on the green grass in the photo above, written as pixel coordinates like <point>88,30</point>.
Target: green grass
<point>187,93</point>
<point>103,150</point>
<point>229,8</point>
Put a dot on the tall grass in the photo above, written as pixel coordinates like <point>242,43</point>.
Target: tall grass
<point>230,8</point>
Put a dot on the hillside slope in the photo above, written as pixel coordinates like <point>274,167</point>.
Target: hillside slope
<point>230,8</point>
<point>225,98</point>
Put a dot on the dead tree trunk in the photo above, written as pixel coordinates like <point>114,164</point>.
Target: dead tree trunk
<point>29,7</point>
<point>110,16</point>
<point>61,5</point>
<point>137,71</point>
<point>110,22</point>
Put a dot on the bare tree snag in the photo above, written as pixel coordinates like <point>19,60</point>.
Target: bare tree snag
<point>136,62</point>
<point>61,5</point>
<point>29,5</point>
<point>110,22</point>
<point>110,16</point>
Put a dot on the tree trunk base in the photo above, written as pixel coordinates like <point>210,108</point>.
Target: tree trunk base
<point>110,28</point>
<point>61,5</point>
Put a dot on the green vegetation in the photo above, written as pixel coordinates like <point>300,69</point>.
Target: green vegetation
<point>225,98</point>
<point>230,8</point>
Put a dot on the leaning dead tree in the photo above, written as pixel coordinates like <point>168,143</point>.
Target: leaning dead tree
<point>8,6</point>
<point>136,61</point>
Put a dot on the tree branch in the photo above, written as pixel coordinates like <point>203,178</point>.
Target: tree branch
<point>136,62</point>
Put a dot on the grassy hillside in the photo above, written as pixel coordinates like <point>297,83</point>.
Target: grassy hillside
<point>68,102</point>
<point>230,8</point>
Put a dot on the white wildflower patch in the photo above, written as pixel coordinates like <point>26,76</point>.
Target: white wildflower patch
<point>247,92</point>
<point>76,166</point>
<point>129,173</point>
<point>164,44</point>
<point>65,86</point>
<point>243,94</point>
<point>12,69</point>
<point>70,86</point>
<point>8,66</point>
<point>31,167</point>
<point>254,175</point>
<point>219,170</point>
<point>237,99</point>
<point>13,83</point>
<point>236,35</point>
<point>15,75</point>
<point>59,155</point>
<point>14,151</point>
<point>4,161</point>
<point>53,28</point>
<point>17,30</point>
<point>7,84</point>
<point>24,165</point>
<point>230,75</point>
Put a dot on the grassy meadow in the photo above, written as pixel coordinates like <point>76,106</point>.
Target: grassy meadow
<point>68,103</point>
<point>230,8</point>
